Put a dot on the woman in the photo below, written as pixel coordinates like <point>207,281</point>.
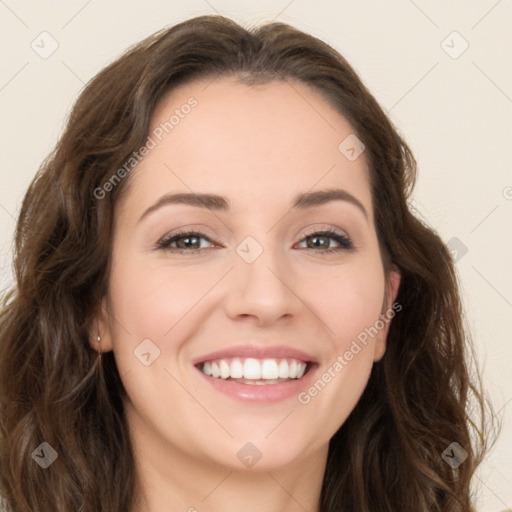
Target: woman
<point>223,300</point>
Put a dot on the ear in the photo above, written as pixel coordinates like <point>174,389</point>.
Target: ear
<point>100,332</point>
<point>392,286</point>
<point>388,312</point>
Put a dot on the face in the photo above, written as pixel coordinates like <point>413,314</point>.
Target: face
<point>273,289</point>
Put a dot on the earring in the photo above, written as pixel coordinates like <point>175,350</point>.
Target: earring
<point>100,353</point>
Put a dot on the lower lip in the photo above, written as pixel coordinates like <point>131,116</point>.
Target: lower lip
<point>265,393</point>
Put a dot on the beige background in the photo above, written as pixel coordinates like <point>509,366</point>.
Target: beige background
<point>453,106</point>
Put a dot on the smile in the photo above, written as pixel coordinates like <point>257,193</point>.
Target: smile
<point>257,374</point>
<point>255,371</point>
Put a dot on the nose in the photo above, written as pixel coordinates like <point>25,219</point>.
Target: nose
<point>264,291</point>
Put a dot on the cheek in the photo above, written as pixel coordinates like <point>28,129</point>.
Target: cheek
<point>150,302</point>
<point>349,299</point>
<point>168,305</point>
<point>159,305</point>
<point>350,305</point>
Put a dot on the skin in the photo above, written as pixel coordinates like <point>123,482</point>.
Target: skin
<point>259,146</point>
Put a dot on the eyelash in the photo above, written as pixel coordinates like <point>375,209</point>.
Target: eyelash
<point>344,242</point>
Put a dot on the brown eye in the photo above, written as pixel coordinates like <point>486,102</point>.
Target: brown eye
<point>189,241</point>
<point>321,241</point>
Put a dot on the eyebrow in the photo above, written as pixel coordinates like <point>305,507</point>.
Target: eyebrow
<point>220,203</point>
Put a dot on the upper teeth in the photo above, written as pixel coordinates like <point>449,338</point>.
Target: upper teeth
<point>252,368</point>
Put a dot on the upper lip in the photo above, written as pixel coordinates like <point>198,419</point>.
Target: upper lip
<point>258,352</point>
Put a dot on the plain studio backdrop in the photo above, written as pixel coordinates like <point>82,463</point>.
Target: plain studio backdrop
<point>441,70</point>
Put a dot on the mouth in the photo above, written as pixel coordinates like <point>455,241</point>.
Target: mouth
<point>257,374</point>
<point>255,371</point>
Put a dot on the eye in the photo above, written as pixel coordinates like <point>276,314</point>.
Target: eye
<point>191,241</point>
<point>319,241</point>
<point>183,241</point>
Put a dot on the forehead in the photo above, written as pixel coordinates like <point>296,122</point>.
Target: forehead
<point>250,142</point>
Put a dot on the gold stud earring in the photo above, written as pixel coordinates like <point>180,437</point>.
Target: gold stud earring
<point>100,353</point>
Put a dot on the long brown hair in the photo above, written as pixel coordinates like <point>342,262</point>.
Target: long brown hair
<point>421,397</point>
